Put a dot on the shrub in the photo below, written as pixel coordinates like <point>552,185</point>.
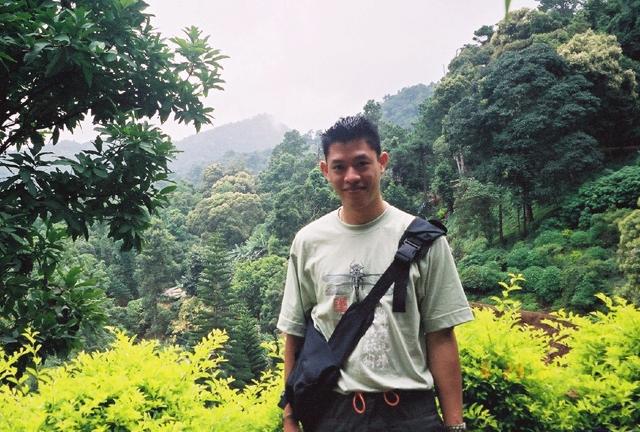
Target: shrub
<point>602,367</point>
<point>518,256</point>
<point>549,285</point>
<point>618,189</point>
<point>509,384</point>
<point>480,279</point>
<point>140,386</point>
<point>549,236</point>
<point>580,239</point>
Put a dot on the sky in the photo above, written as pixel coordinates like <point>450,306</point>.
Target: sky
<point>309,62</point>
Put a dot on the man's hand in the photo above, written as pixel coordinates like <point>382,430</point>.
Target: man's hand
<point>444,364</point>
<point>290,425</point>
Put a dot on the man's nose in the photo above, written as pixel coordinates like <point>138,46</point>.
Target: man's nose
<point>352,175</point>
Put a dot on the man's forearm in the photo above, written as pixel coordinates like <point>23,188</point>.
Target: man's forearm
<point>444,364</point>
<point>291,344</point>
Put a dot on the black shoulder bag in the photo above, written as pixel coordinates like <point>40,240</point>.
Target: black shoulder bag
<point>317,366</point>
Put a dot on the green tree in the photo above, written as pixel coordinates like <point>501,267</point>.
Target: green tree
<point>537,112</point>
<point>260,284</point>
<point>59,62</point>
<point>372,110</point>
<point>232,215</point>
<point>599,58</point>
<point>620,18</point>
<point>157,270</point>
<point>246,359</point>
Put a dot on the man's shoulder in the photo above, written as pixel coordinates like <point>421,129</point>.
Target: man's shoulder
<point>318,227</point>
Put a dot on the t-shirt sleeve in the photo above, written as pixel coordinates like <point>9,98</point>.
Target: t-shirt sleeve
<point>296,299</point>
<point>442,301</point>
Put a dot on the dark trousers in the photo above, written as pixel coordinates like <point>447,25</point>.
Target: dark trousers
<point>393,411</point>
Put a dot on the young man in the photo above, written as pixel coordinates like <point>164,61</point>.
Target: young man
<point>387,384</point>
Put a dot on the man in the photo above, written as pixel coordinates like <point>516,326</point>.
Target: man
<point>387,383</point>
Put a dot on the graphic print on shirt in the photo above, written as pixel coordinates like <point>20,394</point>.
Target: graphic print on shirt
<point>340,286</point>
<point>375,343</point>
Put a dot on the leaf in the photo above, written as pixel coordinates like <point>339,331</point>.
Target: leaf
<point>35,52</point>
<point>167,189</point>
<point>57,63</point>
<point>87,73</point>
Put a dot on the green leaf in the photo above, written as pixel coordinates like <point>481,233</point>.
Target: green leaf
<point>35,52</point>
<point>167,189</point>
<point>57,63</point>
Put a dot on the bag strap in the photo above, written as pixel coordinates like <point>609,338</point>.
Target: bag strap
<point>356,320</point>
<point>414,243</point>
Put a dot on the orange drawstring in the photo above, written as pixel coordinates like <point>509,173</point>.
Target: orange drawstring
<point>357,396</point>
<point>360,406</point>
<point>395,402</point>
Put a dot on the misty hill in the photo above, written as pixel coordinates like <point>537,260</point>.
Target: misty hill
<point>256,134</point>
<point>402,108</point>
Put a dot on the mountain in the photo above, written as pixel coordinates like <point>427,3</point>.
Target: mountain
<point>256,134</point>
<point>402,107</point>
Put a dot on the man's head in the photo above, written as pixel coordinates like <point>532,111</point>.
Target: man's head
<point>349,129</point>
<point>353,165</point>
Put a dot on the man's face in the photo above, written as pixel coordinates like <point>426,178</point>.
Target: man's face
<point>354,169</point>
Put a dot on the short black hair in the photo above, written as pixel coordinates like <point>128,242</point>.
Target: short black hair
<point>351,128</point>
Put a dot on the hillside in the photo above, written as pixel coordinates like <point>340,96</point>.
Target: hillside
<point>258,133</point>
<point>402,108</point>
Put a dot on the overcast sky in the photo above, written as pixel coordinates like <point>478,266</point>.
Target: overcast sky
<point>308,62</point>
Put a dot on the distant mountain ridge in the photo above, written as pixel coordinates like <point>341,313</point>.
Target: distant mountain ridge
<point>402,108</point>
<point>258,133</point>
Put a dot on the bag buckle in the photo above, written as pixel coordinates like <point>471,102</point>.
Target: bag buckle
<point>407,251</point>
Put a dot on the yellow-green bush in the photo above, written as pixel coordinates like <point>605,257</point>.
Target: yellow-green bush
<point>510,384</point>
<point>135,387</point>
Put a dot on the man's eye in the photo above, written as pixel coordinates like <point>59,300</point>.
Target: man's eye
<point>337,167</point>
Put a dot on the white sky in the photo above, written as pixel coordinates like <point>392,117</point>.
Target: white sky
<point>308,62</point>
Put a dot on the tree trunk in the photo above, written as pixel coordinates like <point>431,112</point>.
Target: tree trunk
<point>525,231</point>
<point>500,229</point>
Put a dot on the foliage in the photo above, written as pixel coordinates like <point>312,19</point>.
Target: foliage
<point>402,108</point>
<point>232,215</point>
<point>60,61</point>
<point>260,284</point>
<point>629,253</point>
<point>618,189</point>
<point>510,384</point>
<point>480,279</point>
<point>136,386</point>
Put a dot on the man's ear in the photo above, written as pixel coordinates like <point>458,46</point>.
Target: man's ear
<point>324,168</point>
<point>383,160</point>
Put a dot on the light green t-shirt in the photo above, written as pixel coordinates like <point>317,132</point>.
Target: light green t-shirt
<point>333,264</point>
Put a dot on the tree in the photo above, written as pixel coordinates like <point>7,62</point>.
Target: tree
<point>157,270</point>
<point>537,113</point>
<point>620,18</point>
<point>59,63</point>
<point>372,111</point>
<point>599,58</point>
<point>260,284</point>
<point>232,215</point>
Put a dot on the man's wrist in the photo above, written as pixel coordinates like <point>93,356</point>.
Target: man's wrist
<point>460,427</point>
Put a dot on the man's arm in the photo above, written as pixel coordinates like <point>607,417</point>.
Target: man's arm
<point>444,364</point>
<point>291,344</point>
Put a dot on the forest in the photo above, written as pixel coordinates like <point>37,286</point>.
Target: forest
<point>131,299</point>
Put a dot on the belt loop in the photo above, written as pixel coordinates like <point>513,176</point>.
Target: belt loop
<point>358,397</point>
<point>395,402</point>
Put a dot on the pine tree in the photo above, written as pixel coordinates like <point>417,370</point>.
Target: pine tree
<point>245,357</point>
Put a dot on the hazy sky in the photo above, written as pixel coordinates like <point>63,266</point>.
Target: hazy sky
<point>308,62</point>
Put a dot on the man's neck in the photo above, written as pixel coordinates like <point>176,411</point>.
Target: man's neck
<point>362,216</point>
